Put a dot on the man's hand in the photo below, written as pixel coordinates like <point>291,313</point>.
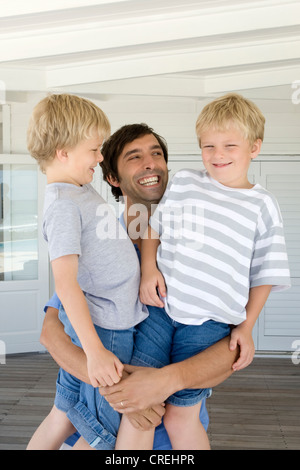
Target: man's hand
<point>144,388</point>
<point>147,419</point>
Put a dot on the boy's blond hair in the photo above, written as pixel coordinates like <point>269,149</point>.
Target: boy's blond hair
<point>60,122</point>
<point>232,109</point>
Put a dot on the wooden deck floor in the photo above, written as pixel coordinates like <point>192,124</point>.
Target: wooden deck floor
<point>258,408</point>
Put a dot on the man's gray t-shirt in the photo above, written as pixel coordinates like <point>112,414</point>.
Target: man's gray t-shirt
<point>78,221</point>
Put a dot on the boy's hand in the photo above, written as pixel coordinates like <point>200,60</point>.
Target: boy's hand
<point>242,336</point>
<point>104,368</point>
<point>152,284</point>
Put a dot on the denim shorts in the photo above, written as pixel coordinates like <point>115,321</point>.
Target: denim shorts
<point>160,341</point>
<point>87,410</point>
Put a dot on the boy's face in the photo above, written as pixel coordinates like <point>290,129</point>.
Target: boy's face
<point>227,156</point>
<point>142,170</point>
<point>83,159</point>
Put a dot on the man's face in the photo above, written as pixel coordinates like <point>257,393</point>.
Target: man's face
<point>142,170</point>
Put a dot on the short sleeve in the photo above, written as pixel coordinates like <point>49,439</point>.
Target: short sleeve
<point>62,229</point>
<point>270,262</point>
<point>156,219</point>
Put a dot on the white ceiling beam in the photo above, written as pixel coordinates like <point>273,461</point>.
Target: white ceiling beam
<point>262,78</point>
<point>29,7</point>
<point>22,80</point>
<point>145,86</point>
<point>168,62</point>
<point>192,87</point>
<point>45,42</point>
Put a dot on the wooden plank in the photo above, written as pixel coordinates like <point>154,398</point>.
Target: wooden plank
<point>255,409</point>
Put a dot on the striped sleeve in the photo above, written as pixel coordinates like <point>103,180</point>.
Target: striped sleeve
<point>269,264</point>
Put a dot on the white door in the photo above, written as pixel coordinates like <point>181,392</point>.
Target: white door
<point>279,323</point>
<point>24,267</point>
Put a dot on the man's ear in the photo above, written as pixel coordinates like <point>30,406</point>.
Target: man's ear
<point>113,181</point>
<point>255,149</point>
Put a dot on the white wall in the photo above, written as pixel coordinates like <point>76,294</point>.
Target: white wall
<point>174,119</point>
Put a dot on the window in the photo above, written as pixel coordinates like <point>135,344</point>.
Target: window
<point>18,222</point>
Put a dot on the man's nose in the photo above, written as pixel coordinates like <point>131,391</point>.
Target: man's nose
<point>149,163</point>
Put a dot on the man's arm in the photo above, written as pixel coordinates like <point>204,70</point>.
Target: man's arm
<point>65,353</point>
<point>147,386</point>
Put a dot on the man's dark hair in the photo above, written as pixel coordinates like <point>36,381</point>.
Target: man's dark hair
<point>114,146</point>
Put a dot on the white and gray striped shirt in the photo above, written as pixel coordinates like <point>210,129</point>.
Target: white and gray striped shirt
<point>216,243</point>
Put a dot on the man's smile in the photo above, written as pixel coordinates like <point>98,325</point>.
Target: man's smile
<point>149,180</point>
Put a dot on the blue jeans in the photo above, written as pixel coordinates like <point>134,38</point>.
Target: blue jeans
<point>159,341</point>
<point>85,406</point>
<point>89,412</point>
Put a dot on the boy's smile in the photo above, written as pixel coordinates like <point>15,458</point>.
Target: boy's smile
<point>227,156</point>
<point>83,159</point>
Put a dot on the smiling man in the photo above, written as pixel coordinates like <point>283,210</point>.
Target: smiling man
<point>135,166</point>
<point>139,174</point>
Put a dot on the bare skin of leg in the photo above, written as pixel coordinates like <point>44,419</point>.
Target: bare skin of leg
<point>81,444</point>
<point>184,428</point>
<point>52,432</point>
<point>130,438</point>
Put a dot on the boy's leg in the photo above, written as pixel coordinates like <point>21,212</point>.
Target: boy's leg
<point>81,444</point>
<point>130,438</point>
<point>52,432</point>
<point>184,428</point>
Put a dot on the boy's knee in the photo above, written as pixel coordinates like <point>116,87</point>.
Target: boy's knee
<point>173,418</point>
<point>58,418</point>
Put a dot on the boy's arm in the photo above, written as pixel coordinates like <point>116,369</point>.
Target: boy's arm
<point>151,278</point>
<point>103,366</point>
<point>73,360</point>
<point>242,334</point>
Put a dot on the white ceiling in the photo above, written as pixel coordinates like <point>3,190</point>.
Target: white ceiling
<point>181,48</point>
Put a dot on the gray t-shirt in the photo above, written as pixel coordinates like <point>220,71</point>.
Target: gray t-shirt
<point>77,220</point>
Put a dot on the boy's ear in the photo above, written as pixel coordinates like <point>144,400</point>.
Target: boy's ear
<point>113,181</point>
<point>61,154</point>
<point>255,149</point>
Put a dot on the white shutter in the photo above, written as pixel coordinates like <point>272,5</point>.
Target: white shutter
<point>279,323</point>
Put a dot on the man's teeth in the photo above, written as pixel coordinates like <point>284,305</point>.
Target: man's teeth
<point>149,181</point>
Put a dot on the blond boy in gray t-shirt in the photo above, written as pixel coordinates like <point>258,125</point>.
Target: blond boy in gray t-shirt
<point>94,264</point>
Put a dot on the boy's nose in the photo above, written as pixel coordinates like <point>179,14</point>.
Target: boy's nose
<point>100,157</point>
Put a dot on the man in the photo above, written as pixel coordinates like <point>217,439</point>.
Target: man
<point>135,166</point>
